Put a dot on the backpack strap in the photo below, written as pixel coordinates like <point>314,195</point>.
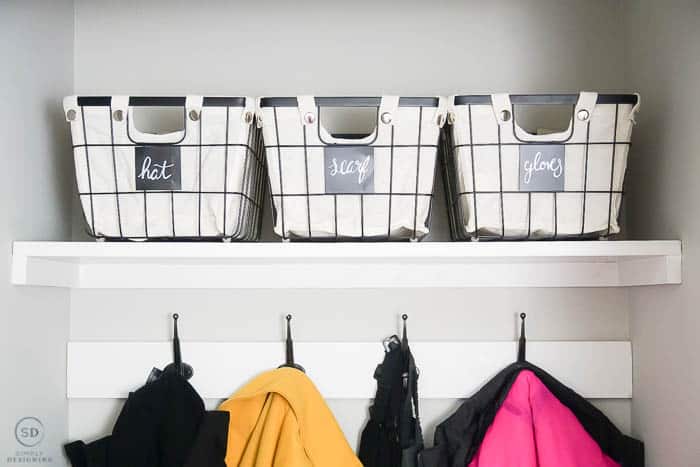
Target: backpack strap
<point>411,433</point>
<point>413,385</point>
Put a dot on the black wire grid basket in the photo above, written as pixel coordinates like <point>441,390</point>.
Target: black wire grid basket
<point>204,182</point>
<point>343,186</point>
<point>505,183</point>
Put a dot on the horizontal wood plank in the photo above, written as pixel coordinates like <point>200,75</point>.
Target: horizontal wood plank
<point>344,370</point>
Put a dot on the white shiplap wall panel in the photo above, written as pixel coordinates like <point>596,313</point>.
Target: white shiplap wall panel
<point>344,370</point>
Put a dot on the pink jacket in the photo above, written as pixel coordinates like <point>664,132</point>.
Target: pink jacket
<point>533,429</point>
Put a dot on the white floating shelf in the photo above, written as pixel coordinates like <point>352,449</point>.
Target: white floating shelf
<point>346,265</point>
<point>344,370</point>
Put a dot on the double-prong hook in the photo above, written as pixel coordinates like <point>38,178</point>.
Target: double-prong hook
<point>522,341</point>
<point>289,343</point>
<point>183,369</point>
<point>404,338</point>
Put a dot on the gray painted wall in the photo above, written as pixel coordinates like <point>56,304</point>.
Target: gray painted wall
<point>36,44</point>
<point>284,48</point>
<point>311,46</point>
<point>664,64</point>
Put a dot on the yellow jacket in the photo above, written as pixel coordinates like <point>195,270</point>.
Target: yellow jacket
<point>280,420</point>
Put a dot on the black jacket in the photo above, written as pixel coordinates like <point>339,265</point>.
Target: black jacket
<point>162,424</point>
<point>458,438</point>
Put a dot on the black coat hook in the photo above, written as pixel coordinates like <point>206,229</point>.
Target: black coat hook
<point>404,338</point>
<point>183,369</point>
<point>522,342</point>
<point>289,363</point>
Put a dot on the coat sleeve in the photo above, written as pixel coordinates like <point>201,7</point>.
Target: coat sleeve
<point>88,455</point>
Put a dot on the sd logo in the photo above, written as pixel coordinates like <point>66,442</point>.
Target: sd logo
<point>29,431</point>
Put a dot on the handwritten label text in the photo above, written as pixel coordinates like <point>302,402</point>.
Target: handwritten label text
<point>349,169</point>
<point>542,167</point>
<point>157,167</point>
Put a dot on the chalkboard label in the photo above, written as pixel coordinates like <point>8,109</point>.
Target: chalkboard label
<point>349,169</point>
<point>157,168</point>
<point>542,167</point>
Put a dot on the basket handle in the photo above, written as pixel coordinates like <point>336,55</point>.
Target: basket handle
<point>635,109</point>
<point>504,112</point>
<point>310,116</point>
<point>192,112</point>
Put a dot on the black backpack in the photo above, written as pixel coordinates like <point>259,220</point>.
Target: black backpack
<point>393,436</point>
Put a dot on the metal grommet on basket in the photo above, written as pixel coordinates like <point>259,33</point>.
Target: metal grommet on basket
<point>583,115</point>
<point>309,118</point>
<point>505,115</point>
<point>71,114</point>
<point>451,118</point>
<point>118,115</point>
<point>248,117</point>
<point>194,115</point>
<point>386,118</point>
